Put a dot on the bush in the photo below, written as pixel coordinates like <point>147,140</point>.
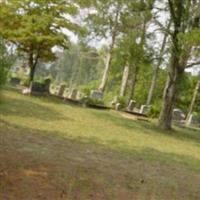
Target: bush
<point>154,110</point>
<point>122,101</point>
<point>87,100</point>
<point>86,89</point>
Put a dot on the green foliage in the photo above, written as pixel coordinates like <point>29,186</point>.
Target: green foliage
<point>155,109</point>
<point>90,101</point>
<point>122,101</point>
<point>6,61</point>
<point>77,66</point>
<point>86,89</point>
<point>35,27</point>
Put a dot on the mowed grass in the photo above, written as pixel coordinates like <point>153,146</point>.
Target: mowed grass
<point>51,150</point>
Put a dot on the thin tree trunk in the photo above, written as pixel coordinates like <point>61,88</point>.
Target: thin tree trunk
<point>191,108</point>
<point>32,65</point>
<point>133,82</point>
<point>156,69</point>
<point>104,79</point>
<point>105,73</point>
<point>124,80</point>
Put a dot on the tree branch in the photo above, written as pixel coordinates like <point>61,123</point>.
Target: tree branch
<point>192,64</point>
<point>173,15</point>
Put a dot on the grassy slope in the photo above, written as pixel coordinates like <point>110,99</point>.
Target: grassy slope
<point>56,151</point>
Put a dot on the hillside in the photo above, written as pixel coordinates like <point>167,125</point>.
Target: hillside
<point>51,150</point>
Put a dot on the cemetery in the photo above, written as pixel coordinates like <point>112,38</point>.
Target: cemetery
<point>99,100</point>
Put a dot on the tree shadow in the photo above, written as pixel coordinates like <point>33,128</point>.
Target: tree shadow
<point>56,146</point>
<point>26,108</point>
<point>148,127</point>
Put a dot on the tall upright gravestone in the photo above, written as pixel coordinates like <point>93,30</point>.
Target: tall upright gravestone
<point>73,94</point>
<point>61,90</point>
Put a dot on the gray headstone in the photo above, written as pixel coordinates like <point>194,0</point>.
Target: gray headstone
<point>38,88</point>
<point>193,120</point>
<point>144,109</point>
<point>97,95</point>
<point>131,105</point>
<point>15,81</point>
<point>73,94</point>
<point>178,115</point>
<point>47,83</point>
<point>61,90</point>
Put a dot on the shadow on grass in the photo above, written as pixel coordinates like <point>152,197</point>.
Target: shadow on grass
<point>148,128</point>
<point>57,144</point>
<point>26,108</point>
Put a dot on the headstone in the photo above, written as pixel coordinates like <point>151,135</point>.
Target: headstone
<point>15,81</point>
<point>38,88</point>
<point>144,109</point>
<point>193,120</point>
<point>61,90</point>
<point>178,115</point>
<point>79,95</point>
<point>131,105</point>
<point>113,102</point>
<point>117,106</point>
<point>66,93</point>
<point>47,83</point>
<point>97,95</point>
<point>73,94</point>
<point>26,91</point>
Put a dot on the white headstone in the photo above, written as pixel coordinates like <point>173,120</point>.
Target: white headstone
<point>79,95</point>
<point>131,105</point>
<point>193,120</point>
<point>117,106</point>
<point>144,109</point>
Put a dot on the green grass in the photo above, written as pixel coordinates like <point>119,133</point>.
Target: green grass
<point>112,153</point>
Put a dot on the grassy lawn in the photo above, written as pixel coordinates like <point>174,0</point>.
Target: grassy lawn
<point>51,150</point>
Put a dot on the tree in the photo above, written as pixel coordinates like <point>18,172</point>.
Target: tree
<point>192,104</point>
<point>182,14</point>
<point>6,60</point>
<point>36,26</point>
<point>157,66</point>
<point>105,23</point>
<point>76,66</point>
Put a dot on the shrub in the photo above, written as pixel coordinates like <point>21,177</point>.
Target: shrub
<point>154,110</point>
<point>87,100</point>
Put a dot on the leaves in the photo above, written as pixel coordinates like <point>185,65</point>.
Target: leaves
<point>36,26</point>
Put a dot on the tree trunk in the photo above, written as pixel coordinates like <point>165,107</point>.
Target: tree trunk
<point>191,108</point>
<point>124,80</point>
<point>114,30</point>
<point>165,118</point>
<point>32,66</point>
<point>105,73</point>
<point>175,69</point>
<point>133,82</point>
<point>156,69</point>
